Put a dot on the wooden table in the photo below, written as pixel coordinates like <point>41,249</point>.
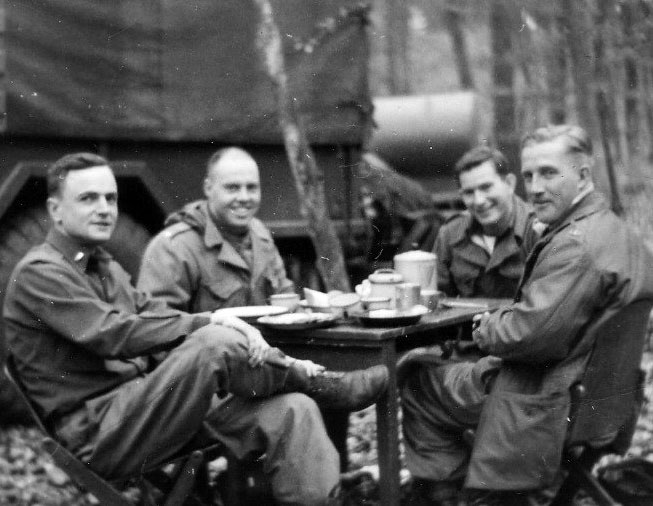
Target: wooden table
<point>350,345</point>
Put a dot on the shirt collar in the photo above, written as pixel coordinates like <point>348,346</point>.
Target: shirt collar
<point>73,252</point>
<point>586,203</point>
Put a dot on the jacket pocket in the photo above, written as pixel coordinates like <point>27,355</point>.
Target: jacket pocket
<point>519,441</point>
<point>228,292</point>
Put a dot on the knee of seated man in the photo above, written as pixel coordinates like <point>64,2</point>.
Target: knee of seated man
<point>212,340</point>
<point>300,410</point>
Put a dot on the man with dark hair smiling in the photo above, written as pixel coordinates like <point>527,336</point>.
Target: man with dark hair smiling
<point>83,341</point>
<point>586,267</point>
<point>481,252</point>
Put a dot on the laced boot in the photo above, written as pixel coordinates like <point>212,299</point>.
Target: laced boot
<point>349,391</point>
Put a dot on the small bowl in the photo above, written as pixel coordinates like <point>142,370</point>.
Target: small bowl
<point>315,309</point>
<point>289,300</point>
<point>372,303</point>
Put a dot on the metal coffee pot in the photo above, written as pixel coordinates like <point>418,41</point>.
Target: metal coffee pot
<point>383,283</point>
<point>419,267</point>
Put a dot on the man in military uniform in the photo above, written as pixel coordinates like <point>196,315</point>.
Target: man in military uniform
<point>518,397</point>
<point>83,341</point>
<point>214,253</point>
<point>481,252</point>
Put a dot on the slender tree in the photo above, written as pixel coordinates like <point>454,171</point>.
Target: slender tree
<point>454,19</point>
<point>504,79</point>
<point>397,36</point>
<point>309,179</point>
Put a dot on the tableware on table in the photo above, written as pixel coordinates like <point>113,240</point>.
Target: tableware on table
<point>391,317</point>
<point>383,283</point>
<point>452,303</point>
<point>298,321</point>
<point>315,309</point>
<point>430,299</point>
<point>252,313</point>
<point>316,298</point>
<point>364,289</point>
<point>342,303</point>
<point>407,295</point>
<point>372,303</point>
<point>418,267</point>
<point>318,309</point>
<point>289,300</point>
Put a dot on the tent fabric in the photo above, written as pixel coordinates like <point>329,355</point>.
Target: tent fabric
<point>169,70</point>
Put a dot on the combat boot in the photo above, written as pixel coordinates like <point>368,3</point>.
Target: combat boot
<point>348,391</point>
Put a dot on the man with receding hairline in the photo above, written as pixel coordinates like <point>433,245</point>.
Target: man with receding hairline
<point>586,267</point>
<point>215,253</point>
<point>86,347</point>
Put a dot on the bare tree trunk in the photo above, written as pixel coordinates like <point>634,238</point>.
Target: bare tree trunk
<point>606,114</point>
<point>503,76</point>
<point>578,31</point>
<point>557,69</point>
<point>309,180</point>
<point>397,49</point>
<point>453,21</point>
<point>632,80</point>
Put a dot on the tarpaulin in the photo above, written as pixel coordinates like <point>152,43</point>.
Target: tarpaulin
<point>171,70</point>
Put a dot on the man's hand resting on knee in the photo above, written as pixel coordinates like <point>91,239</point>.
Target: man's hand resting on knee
<point>259,350</point>
<point>257,346</point>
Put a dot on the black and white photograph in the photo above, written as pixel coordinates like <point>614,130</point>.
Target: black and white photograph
<point>326,253</point>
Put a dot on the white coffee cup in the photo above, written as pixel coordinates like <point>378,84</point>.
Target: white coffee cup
<point>289,300</point>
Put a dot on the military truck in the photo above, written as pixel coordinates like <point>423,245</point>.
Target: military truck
<point>157,87</point>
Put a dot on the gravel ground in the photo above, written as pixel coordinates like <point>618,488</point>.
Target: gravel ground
<point>28,476</point>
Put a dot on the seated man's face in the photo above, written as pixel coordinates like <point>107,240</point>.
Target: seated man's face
<point>233,191</point>
<point>552,177</point>
<point>487,195</point>
<point>86,208</point>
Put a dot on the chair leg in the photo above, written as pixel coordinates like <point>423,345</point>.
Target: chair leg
<point>581,477</point>
<point>234,482</point>
<point>185,480</point>
<point>591,485</point>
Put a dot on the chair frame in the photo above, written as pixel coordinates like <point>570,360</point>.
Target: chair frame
<point>188,471</point>
<point>580,455</point>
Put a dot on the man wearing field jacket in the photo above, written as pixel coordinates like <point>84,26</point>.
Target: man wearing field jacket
<point>584,269</point>
<point>481,251</point>
<point>83,338</point>
<point>214,253</point>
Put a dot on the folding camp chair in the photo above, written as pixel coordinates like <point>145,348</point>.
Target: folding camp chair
<point>605,404</point>
<point>184,480</point>
<point>597,414</point>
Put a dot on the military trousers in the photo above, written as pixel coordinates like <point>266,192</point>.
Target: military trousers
<point>204,392</point>
<point>439,402</point>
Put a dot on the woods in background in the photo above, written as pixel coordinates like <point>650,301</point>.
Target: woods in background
<point>588,62</point>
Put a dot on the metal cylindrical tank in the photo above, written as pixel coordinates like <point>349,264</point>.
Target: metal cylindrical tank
<point>422,136</point>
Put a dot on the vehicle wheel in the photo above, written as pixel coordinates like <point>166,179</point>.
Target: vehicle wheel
<point>18,234</point>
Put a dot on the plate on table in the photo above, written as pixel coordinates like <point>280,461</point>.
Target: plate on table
<point>320,309</point>
<point>465,304</point>
<point>391,317</point>
<point>298,321</point>
<point>252,313</point>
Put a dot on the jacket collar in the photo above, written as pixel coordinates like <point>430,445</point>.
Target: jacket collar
<point>261,241</point>
<point>73,252</point>
<point>591,203</point>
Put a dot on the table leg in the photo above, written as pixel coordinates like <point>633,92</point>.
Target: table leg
<point>337,424</point>
<point>387,436</point>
